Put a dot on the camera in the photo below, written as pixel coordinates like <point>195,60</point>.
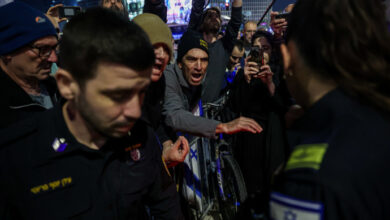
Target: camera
<point>282,15</point>
<point>68,11</point>
<point>256,55</point>
<point>286,16</point>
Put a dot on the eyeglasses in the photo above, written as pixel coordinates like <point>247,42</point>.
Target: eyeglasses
<point>45,51</point>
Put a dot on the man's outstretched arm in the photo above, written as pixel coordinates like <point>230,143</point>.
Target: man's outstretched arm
<point>196,14</point>
<point>233,26</point>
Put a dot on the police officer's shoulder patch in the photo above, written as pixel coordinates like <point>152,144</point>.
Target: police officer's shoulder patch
<point>283,207</point>
<point>307,156</point>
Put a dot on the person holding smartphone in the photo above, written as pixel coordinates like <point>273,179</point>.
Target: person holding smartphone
<point>256,67</point>
<point>257,63</point>
<point>279,21</point>
<point>253,94</point>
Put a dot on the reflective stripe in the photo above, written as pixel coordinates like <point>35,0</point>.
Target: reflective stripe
<point>307,156</point>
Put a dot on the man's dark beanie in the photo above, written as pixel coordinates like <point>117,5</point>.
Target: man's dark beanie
<point>20,25</point>
<point>190,40</point>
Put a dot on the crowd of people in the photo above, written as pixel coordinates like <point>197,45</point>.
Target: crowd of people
<point>92,118</point>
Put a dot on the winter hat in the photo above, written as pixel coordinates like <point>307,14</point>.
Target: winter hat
<point>156,29</point>
<point>190,40</point>
<point>21,24</point>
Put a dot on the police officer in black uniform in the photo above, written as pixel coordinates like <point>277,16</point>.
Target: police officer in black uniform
<point>88,158</point>
<point>337,67</point>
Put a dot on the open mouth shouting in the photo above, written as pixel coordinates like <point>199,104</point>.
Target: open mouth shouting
<point>158,69</point>
<point>196,78</point>
<point>158,66</point>
<point>161,61</point>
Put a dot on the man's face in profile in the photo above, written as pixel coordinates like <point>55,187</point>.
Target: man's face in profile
<point>110,102</point>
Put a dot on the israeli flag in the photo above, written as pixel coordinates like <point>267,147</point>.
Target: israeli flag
<point>283,207</point>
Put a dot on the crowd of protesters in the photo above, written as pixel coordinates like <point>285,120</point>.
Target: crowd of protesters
<point>92,118</point>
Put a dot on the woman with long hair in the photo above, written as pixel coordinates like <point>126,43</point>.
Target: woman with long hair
<point>337,67</point>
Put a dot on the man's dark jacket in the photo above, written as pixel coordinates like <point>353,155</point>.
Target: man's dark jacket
<point>16,104</point>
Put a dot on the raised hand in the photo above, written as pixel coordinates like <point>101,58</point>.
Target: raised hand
<point>53,12</point>
<point>278,25</point>
<point>238,125</point>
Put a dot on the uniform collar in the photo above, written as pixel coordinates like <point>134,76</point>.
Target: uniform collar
<point>320,112</point>
<point>57,133</point>
<point>315,125</point>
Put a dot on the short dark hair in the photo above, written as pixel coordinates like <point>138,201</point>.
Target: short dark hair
<point>100,35</point>
<point>239,44</point>
<point>346,41</point>
<point>263,33</point>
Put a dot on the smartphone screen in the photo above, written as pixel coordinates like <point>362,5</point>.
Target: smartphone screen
<point>68,11</point>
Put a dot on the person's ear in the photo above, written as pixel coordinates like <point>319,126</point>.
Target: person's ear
<point>180,65</point>
<point>6,59</point>
<point>67,85</point>
<point>286,57</point>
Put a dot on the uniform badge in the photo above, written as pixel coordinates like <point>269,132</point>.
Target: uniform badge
<point>59,144</point>
<point>135,154</point>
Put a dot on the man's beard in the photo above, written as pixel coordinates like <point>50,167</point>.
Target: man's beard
<point>88,115</point>
<point>118,10</point>
<point>94,123</point>
<point>211,27</point>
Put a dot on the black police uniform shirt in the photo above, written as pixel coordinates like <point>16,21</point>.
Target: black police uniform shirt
<point>46,174</point>
<point>339,166</point>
